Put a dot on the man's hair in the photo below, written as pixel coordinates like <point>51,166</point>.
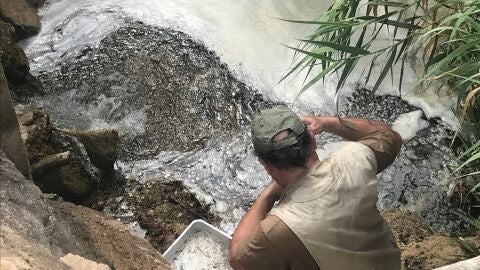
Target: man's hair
<point>291,156</point>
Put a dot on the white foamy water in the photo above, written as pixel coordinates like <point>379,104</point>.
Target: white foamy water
<point>408,124</point>
<point>245,34</point>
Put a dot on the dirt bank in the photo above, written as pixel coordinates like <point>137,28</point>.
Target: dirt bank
<point>421,248</point>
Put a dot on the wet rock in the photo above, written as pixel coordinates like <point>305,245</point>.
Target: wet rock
<point>162,208</point>
<point>16,66</point>
<point>63,175</point>
<point>60,163</point>
<point>14,60</point>
<point>36,131</point>
<point>101,146</point>
<point>22,16</point>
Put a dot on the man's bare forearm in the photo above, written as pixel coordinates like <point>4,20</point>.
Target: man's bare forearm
<point>354,129</point>
<point>249,223</point>
<point>351,129</point>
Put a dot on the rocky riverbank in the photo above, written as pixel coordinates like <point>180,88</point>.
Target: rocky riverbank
<point>38,230</point>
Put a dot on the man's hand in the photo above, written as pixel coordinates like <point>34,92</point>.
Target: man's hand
<point>315,125</point>
<point>273,191</point>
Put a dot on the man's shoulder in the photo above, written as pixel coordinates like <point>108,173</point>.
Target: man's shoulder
<point>379,149</point>
<point>353,152</point>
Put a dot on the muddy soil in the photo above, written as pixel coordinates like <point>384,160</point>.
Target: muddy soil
<point>164,209</point>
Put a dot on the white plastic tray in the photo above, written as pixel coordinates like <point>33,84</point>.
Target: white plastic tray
<point>195,226</point>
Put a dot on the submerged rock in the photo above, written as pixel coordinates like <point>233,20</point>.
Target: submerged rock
<point>22,16</point>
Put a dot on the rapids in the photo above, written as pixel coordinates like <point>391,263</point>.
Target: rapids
<point>180,80</point>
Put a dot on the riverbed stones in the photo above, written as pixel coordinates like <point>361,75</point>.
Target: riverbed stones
<point>22,16</point>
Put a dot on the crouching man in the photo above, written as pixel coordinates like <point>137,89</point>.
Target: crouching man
<point>326,217</point>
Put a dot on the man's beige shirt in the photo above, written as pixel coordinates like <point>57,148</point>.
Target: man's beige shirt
<point>275,245</point>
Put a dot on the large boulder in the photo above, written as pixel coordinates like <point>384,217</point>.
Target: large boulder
<point>22,16</point>
<point>37,231</point>
<point>10,141</point>
<point>106,240</point>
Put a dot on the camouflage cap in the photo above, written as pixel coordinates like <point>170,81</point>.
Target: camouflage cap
<point>269,123</point>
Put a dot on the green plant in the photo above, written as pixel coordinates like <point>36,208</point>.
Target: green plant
<point>470,248</point>
<point>448,32</point>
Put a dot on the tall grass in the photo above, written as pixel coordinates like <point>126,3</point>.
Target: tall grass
<point>448,35</point>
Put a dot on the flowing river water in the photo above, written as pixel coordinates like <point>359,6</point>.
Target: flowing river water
<point>181,80</point>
